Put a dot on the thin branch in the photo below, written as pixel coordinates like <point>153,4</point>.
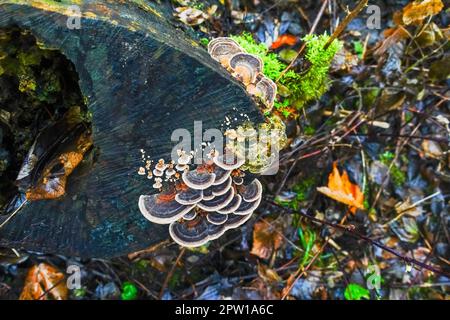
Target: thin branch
<point>170,274</point>
<point>311,31</point>
<point>341,27</point>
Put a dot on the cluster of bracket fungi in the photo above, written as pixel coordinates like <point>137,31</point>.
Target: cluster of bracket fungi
<point>204,202</point>
<point>245,67</point>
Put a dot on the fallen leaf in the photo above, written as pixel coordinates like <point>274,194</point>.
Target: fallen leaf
<point>341,189</point>
<point>266,239</point>
<point>285,39</point>
<point>43,282</point>
<point>416,11</point>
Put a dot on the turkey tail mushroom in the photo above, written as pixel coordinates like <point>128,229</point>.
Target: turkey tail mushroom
<point>162,208</point>
<point>104,196</point>
<point>223,50</point>
<point>195,233</point>
<point>246,67</point>
<point>265,89</point>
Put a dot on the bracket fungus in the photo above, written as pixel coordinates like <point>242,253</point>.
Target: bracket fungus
<point>193,219</point>
<point>223,49</point>
<point>128,59</point>
<point>246,67</point>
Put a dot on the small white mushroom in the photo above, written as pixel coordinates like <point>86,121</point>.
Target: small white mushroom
<point>141,171</point>
<point>158,183</point>
<point>161,166</point>
<point>170,171</point>
<point>158,173</point>
<point>182,167</point>
<point>184,158</point>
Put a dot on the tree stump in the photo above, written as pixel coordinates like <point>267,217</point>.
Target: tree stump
<point>141,79</point>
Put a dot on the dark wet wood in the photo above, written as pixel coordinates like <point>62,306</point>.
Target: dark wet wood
<point>142,79</point>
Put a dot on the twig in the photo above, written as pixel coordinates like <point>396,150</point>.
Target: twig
<point>311,31</point>
<point>341,27</point>
<point>170,274</point>
<point>12,214</point>
<point>415,204</point>
<point>350,230</point>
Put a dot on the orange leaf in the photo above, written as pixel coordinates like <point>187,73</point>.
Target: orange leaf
<point>285,39</point>
<point>42,282</point>
<point>341,189</point>
<point>417,11</point>
<point>266,239</point>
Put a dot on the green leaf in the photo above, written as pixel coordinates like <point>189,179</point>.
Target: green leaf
<point>129,291</point>
<point>356,292</point>
<point>359,48</point>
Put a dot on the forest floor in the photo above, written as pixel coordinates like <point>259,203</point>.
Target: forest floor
<point>382,127</point>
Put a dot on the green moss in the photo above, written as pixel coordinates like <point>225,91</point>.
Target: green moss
<point>314,82</point>
<point>302,190</point>
<point>398,177</point>
<point>301,88</point>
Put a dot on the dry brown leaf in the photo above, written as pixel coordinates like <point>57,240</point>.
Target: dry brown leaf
<point>416,11</point>
<point>266,239</point>
<point>341,189</point>
<point>44,282</point>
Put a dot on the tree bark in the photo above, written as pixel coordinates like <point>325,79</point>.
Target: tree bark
<point>141,79</point>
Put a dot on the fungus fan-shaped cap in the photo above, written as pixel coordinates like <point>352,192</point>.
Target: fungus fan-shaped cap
<point>190,215</point>
<point>198,180</point>
<point>238,180</point>
<point>217,203</point>
<point>247,207</point>
<point>224,51</point>
<point>158,173</point>
<point>235,221</point>
<point>228,161</point>
<point>252,191</point>
<point>221,175</point>
<point>208,193</point>
<point>162,208</point>
<point>181,167</point>
<point>246,67</point>
<point>232,206</point>
<point>216,218</point>
<point>220,189</point>
<point>216,230</point>
<point>184,159</point>
<point>194,233</point>
<point>266,89</point>
<point>188,196</point>
<point>226,40</point>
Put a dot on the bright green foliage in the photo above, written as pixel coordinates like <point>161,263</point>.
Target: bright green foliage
<point>305,87</point>
<point>307,239</point>
<point>359,48</point>
<point>129,291</point>
<point>79,293</point>
<point>356,292</point>
<point>398,177</point>
<point>314,82</point>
